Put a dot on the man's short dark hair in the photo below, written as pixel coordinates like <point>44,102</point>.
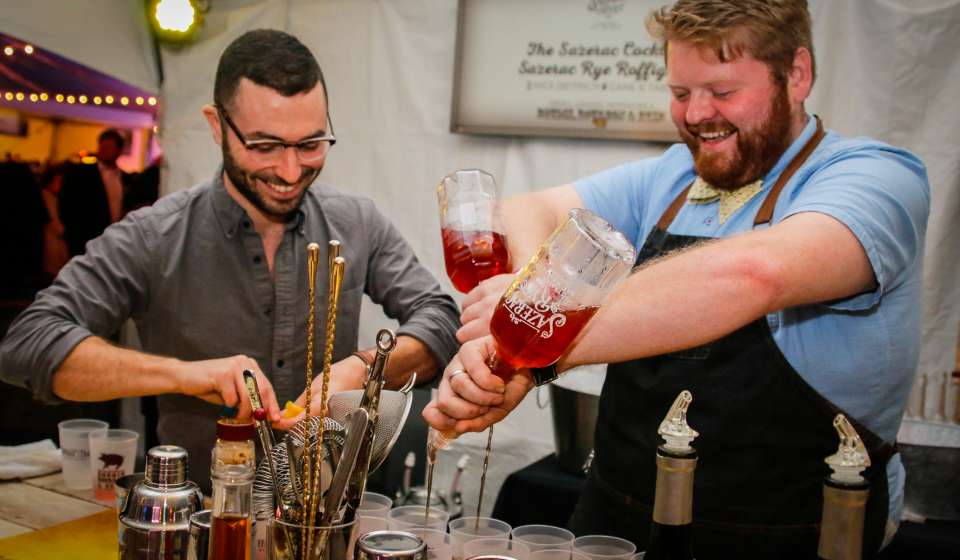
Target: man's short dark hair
<point>112,134</point>
<point>269,58</point>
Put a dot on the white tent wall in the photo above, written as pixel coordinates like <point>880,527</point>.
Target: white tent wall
<point>111,36</point>
<point>885,70</point>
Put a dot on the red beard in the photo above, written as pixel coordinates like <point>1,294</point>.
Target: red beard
<point>758,150</point>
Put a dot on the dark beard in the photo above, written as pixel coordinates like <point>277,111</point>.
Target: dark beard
<point>757,150</point>
<point>243,180</point>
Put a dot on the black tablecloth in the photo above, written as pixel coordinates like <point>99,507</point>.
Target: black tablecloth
<point>545,493</point>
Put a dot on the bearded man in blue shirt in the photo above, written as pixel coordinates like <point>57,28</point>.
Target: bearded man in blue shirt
<point>779,279</point>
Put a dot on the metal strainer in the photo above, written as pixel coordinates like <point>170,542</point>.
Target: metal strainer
<point>393,412</point>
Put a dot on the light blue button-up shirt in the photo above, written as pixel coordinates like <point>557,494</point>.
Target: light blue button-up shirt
<point>860,352</point>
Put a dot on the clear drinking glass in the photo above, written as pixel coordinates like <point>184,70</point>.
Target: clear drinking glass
<point>558,292</point>
<point>112,456</point>
<point>324,543</point>
<point>474,240</point>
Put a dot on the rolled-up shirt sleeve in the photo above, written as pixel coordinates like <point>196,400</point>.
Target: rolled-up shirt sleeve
<point>92,296</point>
<point>408,291</point>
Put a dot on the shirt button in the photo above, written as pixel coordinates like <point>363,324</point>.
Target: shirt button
<point>246,224</point>
<point>256,259</point>
<point>279,363</point>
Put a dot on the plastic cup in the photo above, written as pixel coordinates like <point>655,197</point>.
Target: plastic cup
<point>558,554</point>
<point>438,542</point>
<point>543,537</point>
<point>404,518</point>
<point>603,547</point>
<point>496,547</point>
<point>467,529</point>
<point>368,523</point>
<point>75,451</point>
<point>113,454</point>
<point>374,505</point>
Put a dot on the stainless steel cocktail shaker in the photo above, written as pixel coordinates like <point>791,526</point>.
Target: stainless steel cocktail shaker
<point>155,517</point>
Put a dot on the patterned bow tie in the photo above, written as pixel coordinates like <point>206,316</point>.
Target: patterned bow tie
<point>730,201</point>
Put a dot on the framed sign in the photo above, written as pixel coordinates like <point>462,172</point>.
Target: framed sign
<point>569,68</point>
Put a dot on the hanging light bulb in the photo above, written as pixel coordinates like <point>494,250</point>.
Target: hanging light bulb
<point>8,50</point>
<point>176,21</point>
<point>71,99</point>
<point>152,100</point>
<point>82,99</point>
<point>28,49</point>
<point>8,96</point>
<point>124,101</point>
<point>108,99</point>
<point>19,96</point>
<point>139,100</point>
<point>97,100</point>
<point>59,98</point>
<point>44,96</point>
<point>34,97</point>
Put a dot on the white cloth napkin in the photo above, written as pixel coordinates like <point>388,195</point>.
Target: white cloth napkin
<point>29,460</point>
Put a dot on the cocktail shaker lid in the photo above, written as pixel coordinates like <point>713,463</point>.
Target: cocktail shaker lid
<point>391,545</point>
<point>167,465</point>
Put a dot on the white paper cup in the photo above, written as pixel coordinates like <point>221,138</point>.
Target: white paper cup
<point>75,451</point>
<point>113,454</point>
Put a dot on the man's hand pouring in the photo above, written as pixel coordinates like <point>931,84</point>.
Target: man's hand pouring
<point>471,399</point>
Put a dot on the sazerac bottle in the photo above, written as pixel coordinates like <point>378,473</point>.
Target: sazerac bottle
<point>232,470</point>
<point>671,533</point>
<point>845,494</point>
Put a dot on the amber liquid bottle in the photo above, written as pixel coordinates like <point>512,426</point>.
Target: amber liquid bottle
<point>232,473</point>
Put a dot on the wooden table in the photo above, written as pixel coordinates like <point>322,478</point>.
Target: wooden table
<point>38,503</point>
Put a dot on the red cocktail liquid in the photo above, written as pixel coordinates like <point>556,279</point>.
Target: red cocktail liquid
<point>528,338</point>
<point>473,256</point>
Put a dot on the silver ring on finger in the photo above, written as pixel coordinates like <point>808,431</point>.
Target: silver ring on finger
<point>455,373</point>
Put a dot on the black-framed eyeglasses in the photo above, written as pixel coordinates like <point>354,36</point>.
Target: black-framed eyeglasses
<point>308,149</point>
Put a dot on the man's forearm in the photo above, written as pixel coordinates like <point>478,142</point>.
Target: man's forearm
<point>96,370</point>
<point>703,293</point>
<point>410,355</point>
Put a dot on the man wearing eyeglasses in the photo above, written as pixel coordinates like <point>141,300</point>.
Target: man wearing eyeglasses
<point>215,276</point>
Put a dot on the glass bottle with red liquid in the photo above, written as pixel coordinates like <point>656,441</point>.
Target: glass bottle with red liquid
<point>557,293</point>
<point>474,243</point>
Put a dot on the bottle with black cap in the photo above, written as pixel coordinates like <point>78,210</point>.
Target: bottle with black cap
<point>671,533</point>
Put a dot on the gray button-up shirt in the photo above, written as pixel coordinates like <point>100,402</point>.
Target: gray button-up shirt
<point>192,273</point>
